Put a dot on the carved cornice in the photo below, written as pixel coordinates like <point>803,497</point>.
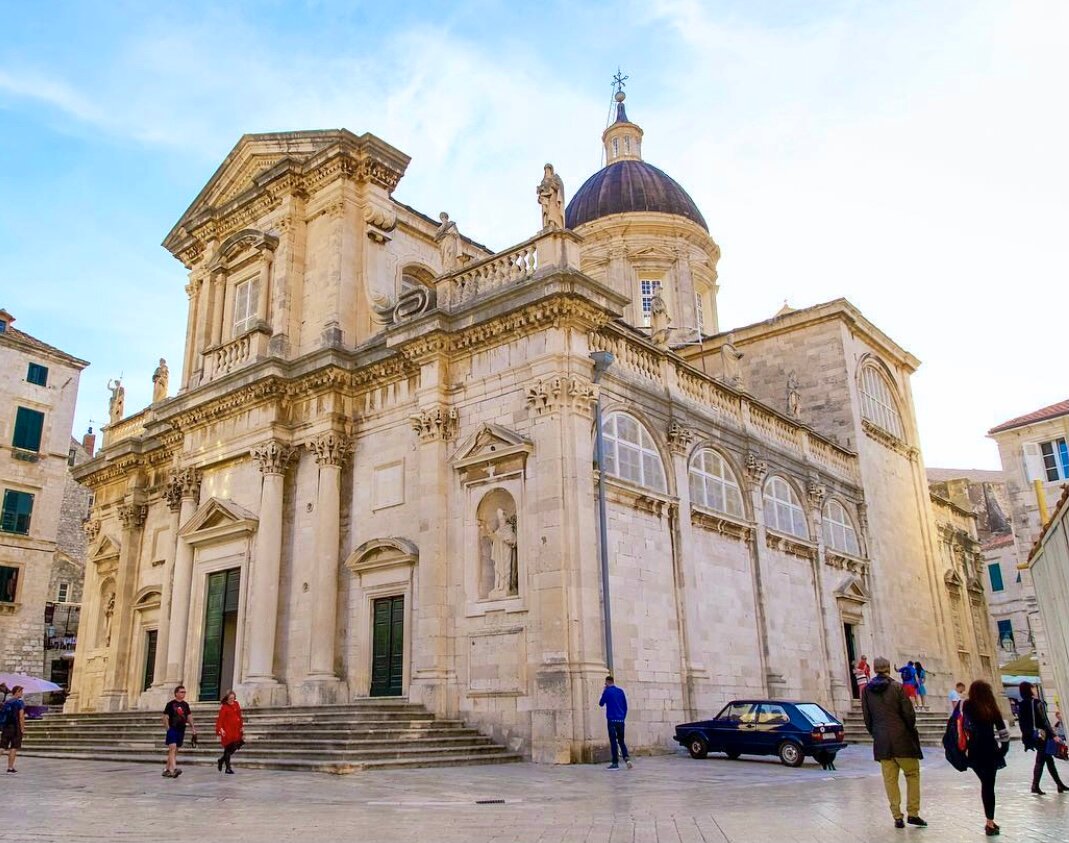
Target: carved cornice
<point>889,440</point>
<point>706,519</point>
<point>842,562</point>
<point>437,423</point>
<point>331,448</point>
<point>131,515</point>
<point>679,438</point>
<point>274,456</point>
<point>793,546</point>
<point>552,394</point>
<point>251,395</point>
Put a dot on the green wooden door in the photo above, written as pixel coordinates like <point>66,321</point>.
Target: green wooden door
<point>150,659</point>
<point>222,599</point>
<point>388,645</point>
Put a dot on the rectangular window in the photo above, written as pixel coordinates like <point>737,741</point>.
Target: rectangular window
<point>15,516</point>
<point>246,299</point>
<point>37,374</point>
<point>9,584</point>
<point>648,289</point>
<point>994,571</point>
<point>1055,459</point>
<point>28,427</point>
<point>1005,635</point>
<point>63,592</point>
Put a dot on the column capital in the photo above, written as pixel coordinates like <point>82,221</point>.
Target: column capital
<point>756,468</point>
<point>274,456</point>
<point>182,483</point>
<point>331,448</point>
<point>816,491</point>
<point>551,394</point>
<point>680,438</point>
<point>132,515</point>
<point>436,422</point>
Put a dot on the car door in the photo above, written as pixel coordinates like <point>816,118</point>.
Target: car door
<point>772,723</point>
<point>732,728</point>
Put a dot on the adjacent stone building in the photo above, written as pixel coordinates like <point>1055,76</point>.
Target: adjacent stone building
<point>38,392</point>
<point>1048,565</point>
<point>377,476</point>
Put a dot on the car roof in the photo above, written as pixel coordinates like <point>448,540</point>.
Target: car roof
<point>753,701</point>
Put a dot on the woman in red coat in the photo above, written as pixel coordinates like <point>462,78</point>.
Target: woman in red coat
<point>230,728</point>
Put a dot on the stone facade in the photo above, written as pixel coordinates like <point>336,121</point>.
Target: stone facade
<point>38,392</point>
<point>387,432</point>
<point>1048,566</point>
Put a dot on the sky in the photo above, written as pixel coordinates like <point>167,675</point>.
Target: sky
<point>912,157</point>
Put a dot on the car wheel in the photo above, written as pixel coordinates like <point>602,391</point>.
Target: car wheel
<point>698,747</point>
<point>733,754</point>
<point>791,754</point>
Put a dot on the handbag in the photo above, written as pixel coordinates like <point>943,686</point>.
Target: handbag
<point>1057,749</point>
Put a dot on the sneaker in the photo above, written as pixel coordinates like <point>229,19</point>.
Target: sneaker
<point>917,821</point>
<point>167,774</point>
<point>230,770</point>
<point>12,770</point>
<point>630,766</point>
<point>613,767</point>
<point>178,772</point>
<point>900,823</point>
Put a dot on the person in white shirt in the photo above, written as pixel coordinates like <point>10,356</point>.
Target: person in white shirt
<point>956,695</point>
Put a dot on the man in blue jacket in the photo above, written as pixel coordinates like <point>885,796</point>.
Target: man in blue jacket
<point>615,703</point>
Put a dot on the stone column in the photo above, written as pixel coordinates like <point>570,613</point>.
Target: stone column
<point>158,691</point>
<point>261,685</point>
<point>115,696</point>
<point>756,469</point>
<point>264,298</point>
<point>189,358</point>
<point>836,690</point>
<point>188,480</point>
<point>331,451</point>
<point>218,300</point>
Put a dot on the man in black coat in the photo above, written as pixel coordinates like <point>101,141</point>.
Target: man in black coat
<point>890,719</point>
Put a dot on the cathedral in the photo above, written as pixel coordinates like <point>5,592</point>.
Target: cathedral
<point>378,475</point>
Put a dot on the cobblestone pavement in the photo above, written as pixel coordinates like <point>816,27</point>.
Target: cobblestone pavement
<point>666,799</point>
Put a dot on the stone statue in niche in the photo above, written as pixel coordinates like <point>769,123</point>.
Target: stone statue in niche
<point>109,613</point>
<point>551,198</point>
<point>159,382</point>
<point>498,547</point>
<point>117,400</point>
<point>792,395</point>
<point>659,322</point>
<point>448,238</point>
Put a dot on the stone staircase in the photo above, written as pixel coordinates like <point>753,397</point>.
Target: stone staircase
<point>367,735</point>
<point>930,725</point>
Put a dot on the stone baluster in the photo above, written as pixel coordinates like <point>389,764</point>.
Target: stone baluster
<point>273,457</point>
<point>189,482</point>
<point>331,451</point>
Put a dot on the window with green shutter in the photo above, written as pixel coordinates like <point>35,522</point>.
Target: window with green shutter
<point>994,571</point>
<point>28,427</point>
<point>37,374</point>
<point>15,516</point>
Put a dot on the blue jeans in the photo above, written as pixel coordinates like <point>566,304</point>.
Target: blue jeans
<point>616,741</point>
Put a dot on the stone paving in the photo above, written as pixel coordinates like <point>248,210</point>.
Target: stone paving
<point>665,799</point>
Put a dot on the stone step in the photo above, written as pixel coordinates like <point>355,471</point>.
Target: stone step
<point>302,764</point>
<point>365,735</point>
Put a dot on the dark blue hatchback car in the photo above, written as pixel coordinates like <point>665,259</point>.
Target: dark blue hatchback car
<point>787,728</point>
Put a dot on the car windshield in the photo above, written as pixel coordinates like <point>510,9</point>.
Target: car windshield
<point>815,714</point>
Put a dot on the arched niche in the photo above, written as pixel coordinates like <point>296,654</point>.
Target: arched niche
<point>497,571</point>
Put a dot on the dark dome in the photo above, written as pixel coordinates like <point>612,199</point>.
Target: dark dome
<point>630,186</point>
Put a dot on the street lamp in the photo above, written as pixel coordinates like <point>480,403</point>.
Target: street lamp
<point>602,361</point>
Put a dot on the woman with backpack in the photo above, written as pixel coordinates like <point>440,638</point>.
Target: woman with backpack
<point>988,742</point>
<point>1035,731</point>
<point>922,692</point>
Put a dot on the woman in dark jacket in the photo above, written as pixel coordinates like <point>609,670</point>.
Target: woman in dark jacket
<point>1035,729</point>
<point>988,742</point>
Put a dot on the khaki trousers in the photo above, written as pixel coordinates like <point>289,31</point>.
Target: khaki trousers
<point>912,769</point>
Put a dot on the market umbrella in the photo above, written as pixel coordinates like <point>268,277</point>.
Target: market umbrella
<point>30,684</point>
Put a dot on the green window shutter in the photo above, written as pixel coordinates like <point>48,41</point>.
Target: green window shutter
<point>28,427</point>
<point>994,571</point>
<point>37,374</point>
<point>17,511</point>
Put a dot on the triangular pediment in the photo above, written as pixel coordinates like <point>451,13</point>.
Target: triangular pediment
<point>853,589</point>
<point>953,579</point>
<point>105,548</point>
<point>490,443</point>
<point>218,516</point>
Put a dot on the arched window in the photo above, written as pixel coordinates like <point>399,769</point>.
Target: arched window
<point>713,484</point>
<point>783,511</point>
<point>630,453</point>
<point>878,403</point>
<point>839,532</point>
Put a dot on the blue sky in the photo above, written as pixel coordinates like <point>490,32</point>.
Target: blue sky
<point>909,156</point>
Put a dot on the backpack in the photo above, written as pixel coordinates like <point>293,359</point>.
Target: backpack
<point>6,713</point>
<point>956,741</point>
